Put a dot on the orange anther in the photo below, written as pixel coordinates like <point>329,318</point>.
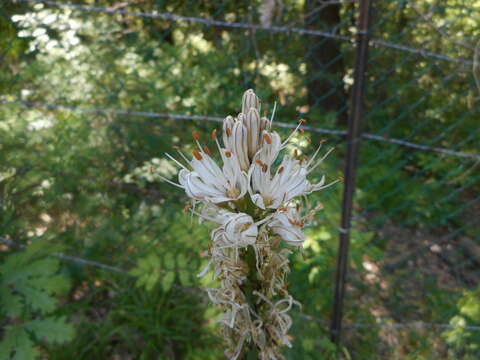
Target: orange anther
<point>301,131</point>
<point>228,154</point>
<point>323,141</point>
<point>264,168</point>
<point>228,131</point>
<point>207,150</point>
<point>213,135</point>
<point>267,138</point>
<point>280,169</point>
<point>259,162</point>
<point>295,153</point>
<point>197,155</point>
<point>195,135</point>
<point>301,121</point>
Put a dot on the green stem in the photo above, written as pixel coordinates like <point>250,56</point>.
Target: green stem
<point>251,284</point>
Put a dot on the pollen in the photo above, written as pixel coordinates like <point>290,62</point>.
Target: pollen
<point>280,169</point>
<point>245,227</point>
<point>228,154</point>
<point>213,135</point>
<point>268,139</point>
<point>259,162</point>
<point>233,192</point>
<point>207,150</point>
<point>302,121</point>
<point>301,131</point>
<point>195,135</point>
<point>197,155</point>
<point>264,168</point>
<point>228,132</point>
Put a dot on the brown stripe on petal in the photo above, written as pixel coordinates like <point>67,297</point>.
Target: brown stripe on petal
<point>267,138</point>
<point>197,155</point>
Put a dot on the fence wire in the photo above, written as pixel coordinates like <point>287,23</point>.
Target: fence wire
<point>415,233</point>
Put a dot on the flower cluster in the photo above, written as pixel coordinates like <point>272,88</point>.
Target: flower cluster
<point>251,199</point>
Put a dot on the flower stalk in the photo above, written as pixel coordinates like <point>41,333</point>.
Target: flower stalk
<point>252,199</point>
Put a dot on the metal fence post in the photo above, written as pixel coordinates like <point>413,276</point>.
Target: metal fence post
<point>353,138</point>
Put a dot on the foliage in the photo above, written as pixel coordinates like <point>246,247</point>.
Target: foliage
<point>30,279</point>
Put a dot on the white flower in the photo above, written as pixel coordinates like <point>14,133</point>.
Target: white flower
<point>243,135</point>
<point>290,179</point>
<point>288,225</point>
<point>204,180</point>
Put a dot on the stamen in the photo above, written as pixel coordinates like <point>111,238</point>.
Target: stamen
<point>176,161</point>
<point>207,150</point>
<point>195,135</point>
<point>197,155</point>
<point>183,156</point>
<point>322,141</point>
<point>295,153</point>
<point>319,161</point>
<point>213,135</point>
<point>259,162</point>
<point>264,168</point>
<point>302,121</point>
<point>267,138</point>
<point>301,131</point>
<point>273,114</point>
<point>228,154</point>
<point>280,169</point>
<point>170,182</point>
<point>291,135</point>
<point>228,132</point>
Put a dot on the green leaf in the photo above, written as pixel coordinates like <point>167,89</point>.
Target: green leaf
<point>10,304</point>
<point>16,345</point>
<point>52,330</point>
<point>184,276</point>
<point>36,298</point>
<point>167,281</point>
<point>169,261</point>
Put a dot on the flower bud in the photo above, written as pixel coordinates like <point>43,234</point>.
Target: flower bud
<point>250,100</point>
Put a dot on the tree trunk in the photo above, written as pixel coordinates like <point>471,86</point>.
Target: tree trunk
<point>325,65</point>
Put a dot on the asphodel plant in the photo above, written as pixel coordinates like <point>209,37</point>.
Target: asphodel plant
<point>253,200</point>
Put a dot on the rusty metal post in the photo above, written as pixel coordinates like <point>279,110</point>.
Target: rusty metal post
<point>353,139</point>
